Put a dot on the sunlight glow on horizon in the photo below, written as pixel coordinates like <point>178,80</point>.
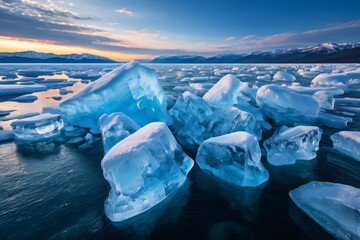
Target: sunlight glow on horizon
<point>8,44</point>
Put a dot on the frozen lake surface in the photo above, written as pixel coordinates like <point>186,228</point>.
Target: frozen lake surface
<point>57,191</point>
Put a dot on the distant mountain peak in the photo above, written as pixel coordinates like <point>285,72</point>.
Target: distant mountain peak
<point>322,53</point>
<point>38,57</point>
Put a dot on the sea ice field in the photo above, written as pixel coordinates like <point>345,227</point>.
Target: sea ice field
<point>179,151</point>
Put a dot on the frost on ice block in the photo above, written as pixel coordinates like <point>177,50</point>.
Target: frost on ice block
<point>195,121</point>
<point>284,76</point>
<point>40,127</point>
<point>336,207</point>
<point>131,89</point>
<point>143,169</point>
<point>285,105</point>
<point>230,91</point>
<point>348,143</point>
<point>234,158</point>
<point>225,92</point>
<point>338,80</point>
<point>325,99</point>
<point>115,127</point>
<point>291,144</point>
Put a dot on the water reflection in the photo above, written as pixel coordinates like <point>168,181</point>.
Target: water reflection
<point>342,168</point>
<point>37,148</point>
<point>165,213</point>
<point>229,231</point>
<point>242,199</point>
<point>310,228</point>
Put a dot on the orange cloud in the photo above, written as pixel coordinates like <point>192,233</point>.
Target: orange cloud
<point>8,44</point>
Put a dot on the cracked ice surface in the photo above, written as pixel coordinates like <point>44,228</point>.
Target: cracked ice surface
<point>234,158</point>
<point>131,89</point>
<point>143,170</point>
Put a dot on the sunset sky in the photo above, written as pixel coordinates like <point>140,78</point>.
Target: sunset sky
<point>132,29</point>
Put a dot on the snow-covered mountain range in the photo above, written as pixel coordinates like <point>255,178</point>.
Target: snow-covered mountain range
<point>37,57</point>
<point>322,53</point>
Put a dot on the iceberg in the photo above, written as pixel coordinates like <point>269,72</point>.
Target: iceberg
<point>321,69</point>
<point>231,119</point>
<point>255,111</point>
<point>234,158</point>
<point>131,89</point>
<point>143,170</point>
<point>37,128</point>
<point>354,102</point>
<point>6,135</point>
<point>284,76</point>
<point>307,74</point>
<point>195,121</point>
<point>8,89</point>
<point>325,99</point>
<point>312,90</point>
<point>73,132</point>
<point>224,92</point>
<point>64,91</point>
<point>338,80</point>
<point>266,77</point>
<point>25,98</point>
<point>284,105</point>
<point>115,127</point>
<point>35,73</point>
<point>333,121</point>
<point>290,144</point>
<point>227,92</point>
<point>348,143</point>
<point>335,207</point>
<point>248,92</point>
<point>189,106</point>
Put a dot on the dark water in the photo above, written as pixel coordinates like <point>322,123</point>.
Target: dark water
<point>56,192</point>
<point>61,196</point>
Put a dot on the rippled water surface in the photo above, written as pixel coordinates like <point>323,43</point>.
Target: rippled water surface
<point>57,192</point>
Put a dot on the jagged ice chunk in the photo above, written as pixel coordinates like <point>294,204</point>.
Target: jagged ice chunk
<point>285,105</point>
<point>115,127</point>
<point>234,158</point>
<point>336,207</point>
<point>290,144</point>
<point>348,143</point>
<point>131,89</point>
<point>143,170</point>
<point>40,127</point>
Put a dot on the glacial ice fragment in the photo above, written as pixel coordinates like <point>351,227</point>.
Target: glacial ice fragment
<point>115,127</point>
<point>195,121</point>
<point>143,170</point>
<point>325,99</point>
<point>234,158</point>
<point>189,106</point>
<point>230,91</point>
<point>35,73</point>
<point>290,144</point>
<point>131,89</point>
<point>224,92</point>
<point>284,76</point>
<point>6,135</point>
<point>37,128</point>
<point>231,119</point>
<point>9,89</point>
<point>334,206</point>
<point>25,98</point>
<point>348,143</point>
<point>285,105</point>
<point>338,80</point>
<point>331,120</point>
